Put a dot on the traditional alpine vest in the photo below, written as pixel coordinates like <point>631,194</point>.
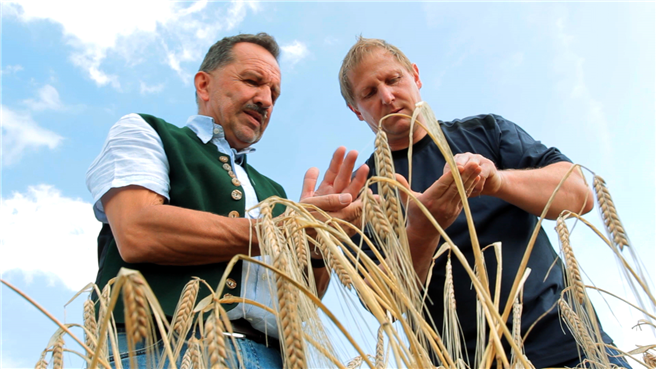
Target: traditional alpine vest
<point>199,180</point>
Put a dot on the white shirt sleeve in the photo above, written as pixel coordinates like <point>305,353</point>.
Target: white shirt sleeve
<point>133,154</point>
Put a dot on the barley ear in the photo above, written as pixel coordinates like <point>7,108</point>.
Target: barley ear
<point>215,341</point>
<point>182,317</point>
<point>58,354</point>
<point>91,333</point>
<point>380,349</point>
<point>609,214</point>
<point>42,363</point>
<point>572,266</point>
<point>649,359</point>
<point>136,308</point>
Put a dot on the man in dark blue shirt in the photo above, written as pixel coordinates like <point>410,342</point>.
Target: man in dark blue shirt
<point>509,177</point>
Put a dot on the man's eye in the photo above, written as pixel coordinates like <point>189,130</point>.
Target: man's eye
<point>369,93</point>
<point>394,80</point>
<point>251,82</point>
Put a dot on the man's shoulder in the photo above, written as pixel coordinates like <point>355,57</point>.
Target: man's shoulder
<point>485,121</point>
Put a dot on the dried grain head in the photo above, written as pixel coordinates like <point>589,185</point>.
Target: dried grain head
<point>571,265</point>
<point>215,341</point>
<point>609,214</point>
<point>91,333</point>
<point>137,312</point>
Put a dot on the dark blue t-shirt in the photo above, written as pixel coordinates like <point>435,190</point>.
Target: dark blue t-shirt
<point>509,147</point>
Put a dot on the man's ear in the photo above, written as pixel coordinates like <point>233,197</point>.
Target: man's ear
<point>202,81</point>
<point>415,75</point>
<point>355,111</point>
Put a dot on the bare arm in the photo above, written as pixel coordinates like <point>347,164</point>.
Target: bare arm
<point>530,189</point>
<point>147,230</point>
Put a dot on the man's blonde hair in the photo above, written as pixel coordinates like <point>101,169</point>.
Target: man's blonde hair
<point>361,48</point>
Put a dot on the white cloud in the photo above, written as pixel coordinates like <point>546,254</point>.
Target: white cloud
<point>48,98</point>
<point>146,89</point>
<point>20,133</point>
<point>97,29</point>
<point>294,52</point>
<point>11,69</point>
<point>44,231</point>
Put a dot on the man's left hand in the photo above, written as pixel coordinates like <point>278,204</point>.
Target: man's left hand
<point>490,178</point>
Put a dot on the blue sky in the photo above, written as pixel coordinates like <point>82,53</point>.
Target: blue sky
<point>578,76</point>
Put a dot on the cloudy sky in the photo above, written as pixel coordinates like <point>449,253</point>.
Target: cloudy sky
<point>578,76</point>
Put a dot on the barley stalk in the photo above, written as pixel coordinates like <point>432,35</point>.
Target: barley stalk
<point>577,327</point>
<point>451,332</point>
<point>572,266</point>
<point>288,314</point>
<point>385,168</point>
<point>58,354</point>
<point>609,214</point>
<point>380,349</point>
<point>649,359</point>
<point>186,360</point>
<point>376,217</point>
<point>184,311</point>
<point>91,333</point>
<point>193,349</point>
<point>136,308</point>
<point>42,363</point>
<point>215,341</point>
<point>296,236</point>
<point>335,264</point>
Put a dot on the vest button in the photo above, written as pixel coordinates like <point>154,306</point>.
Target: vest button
<point>236,182</point>
<point>231,174</point>
<point>227,296</point>
<point>231,284</point>
<point>224,159</point>
<point>227,166</point>
<point>236,195</point>
<point>233,214</point>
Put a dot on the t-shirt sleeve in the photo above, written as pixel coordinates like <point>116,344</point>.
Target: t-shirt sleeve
<point>518,150</point>
<point>133,154</point>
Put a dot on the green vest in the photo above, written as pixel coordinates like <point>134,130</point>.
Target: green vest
<point>197,181</point>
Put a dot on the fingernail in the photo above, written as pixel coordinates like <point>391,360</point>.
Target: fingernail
<point>345,198</point>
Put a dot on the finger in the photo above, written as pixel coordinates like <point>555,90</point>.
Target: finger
<point>333,168</point>
<point>334,202</point>
<point>440,187</point>
<point>404,183</point>
<point>469,176</point>
<point>344,177</point>
<point>358,181</point>
<point>309,182</point>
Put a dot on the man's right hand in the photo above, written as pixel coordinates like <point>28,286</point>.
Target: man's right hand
<point>443,202</point>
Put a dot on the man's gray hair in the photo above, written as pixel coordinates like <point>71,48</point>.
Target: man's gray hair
<point>220,53</point>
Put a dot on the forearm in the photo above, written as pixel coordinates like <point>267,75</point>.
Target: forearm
<point>531,189</point>
<point>170,235</point>
<point>321,279</point>
<point>422,248</point>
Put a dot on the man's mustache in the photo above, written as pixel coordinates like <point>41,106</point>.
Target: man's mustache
<point>258,109</point>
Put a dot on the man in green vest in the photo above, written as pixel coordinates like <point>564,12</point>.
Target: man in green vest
<point>173,200</point>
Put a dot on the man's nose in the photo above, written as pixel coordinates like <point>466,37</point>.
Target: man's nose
<point>263,98</point>
<point>386,95</point>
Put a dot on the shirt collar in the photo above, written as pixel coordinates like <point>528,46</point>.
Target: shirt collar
<point>206,129</point>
